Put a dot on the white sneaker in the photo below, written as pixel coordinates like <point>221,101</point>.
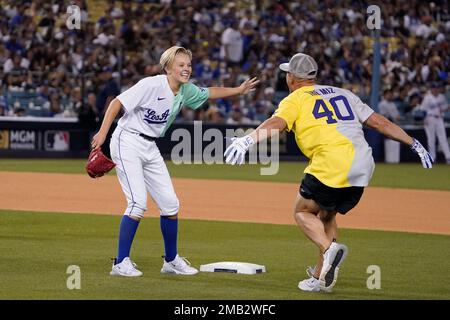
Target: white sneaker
<point>178,265</point>
<point>126,268</point>
<point>311,285</point>
<point>332,259</point>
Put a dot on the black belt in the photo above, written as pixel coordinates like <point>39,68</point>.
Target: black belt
<point>146,137</point>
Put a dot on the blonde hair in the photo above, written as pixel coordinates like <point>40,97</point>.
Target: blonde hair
<point>169,55</point>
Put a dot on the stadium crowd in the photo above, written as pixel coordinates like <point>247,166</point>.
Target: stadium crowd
<point>47,69</point>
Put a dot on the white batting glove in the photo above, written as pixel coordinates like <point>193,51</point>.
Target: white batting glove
<point>235,153</point>
<point>425,156</point>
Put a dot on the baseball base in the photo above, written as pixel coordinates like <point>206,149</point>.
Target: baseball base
<point>233,267</point>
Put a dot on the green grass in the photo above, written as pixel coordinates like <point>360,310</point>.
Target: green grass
<point>411,176</point>
<point>37,248</point>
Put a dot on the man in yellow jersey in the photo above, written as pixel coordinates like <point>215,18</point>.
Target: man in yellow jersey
<point>327,122</point>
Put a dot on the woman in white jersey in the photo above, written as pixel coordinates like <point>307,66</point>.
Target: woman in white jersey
<point>150,107</point>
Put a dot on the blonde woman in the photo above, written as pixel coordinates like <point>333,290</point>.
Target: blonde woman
<point>150,107</point>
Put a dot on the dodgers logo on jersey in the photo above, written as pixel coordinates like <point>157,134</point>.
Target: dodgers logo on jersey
<point>151,116</point>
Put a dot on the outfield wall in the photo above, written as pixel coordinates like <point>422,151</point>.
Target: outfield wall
<point>35,137</point>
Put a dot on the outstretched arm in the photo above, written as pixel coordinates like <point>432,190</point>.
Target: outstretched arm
<point>268,128</point>
<point>111,113</point>
<point>235,153</point>
<point>387,128</point>
<point>392,131</point>
<point>225,92</point>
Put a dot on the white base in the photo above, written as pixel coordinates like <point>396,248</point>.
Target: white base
<point>233,267</point>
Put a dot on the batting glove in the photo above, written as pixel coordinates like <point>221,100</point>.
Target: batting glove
<point>235,153</point>
<point>425,156</point>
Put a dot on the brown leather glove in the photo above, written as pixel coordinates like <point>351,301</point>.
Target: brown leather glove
<point>98,164</point>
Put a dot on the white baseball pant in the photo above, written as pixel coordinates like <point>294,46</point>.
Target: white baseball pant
<point>434,126</point>
<point>140,169</point>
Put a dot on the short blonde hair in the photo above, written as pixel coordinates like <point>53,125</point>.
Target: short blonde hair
<point>169,55</point>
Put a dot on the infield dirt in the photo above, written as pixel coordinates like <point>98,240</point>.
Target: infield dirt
<point>408,210</point>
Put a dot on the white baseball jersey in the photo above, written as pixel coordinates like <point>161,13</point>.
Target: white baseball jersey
<point>434,123</point>
<point>434,105</point>
<point>151,106</point>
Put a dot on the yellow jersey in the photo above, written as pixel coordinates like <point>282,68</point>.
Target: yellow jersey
<point>327,123</point>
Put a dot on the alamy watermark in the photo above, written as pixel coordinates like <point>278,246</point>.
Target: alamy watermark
<point>73,20</point>
<point>208,147</point>
<point>374,280</point>
<point>374,19</point>
<point>74,280</point>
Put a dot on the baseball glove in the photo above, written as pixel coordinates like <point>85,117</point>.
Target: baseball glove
<point>98,164</point>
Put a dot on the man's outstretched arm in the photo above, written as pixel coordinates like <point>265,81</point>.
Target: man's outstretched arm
<point>235,153</point>
<point>388,129</point>
<point>268,128</point>
<point>392,131</point>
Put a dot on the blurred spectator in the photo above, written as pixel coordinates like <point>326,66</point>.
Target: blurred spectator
<point>425,29</point>
<point>237,117</point>
<point>388,109</point>
<point>74,104</point>
<point>213,115</point>
<point>413,110</point>
<point>186,115</point>
<point>44,91</point>
<point>15,61</point>
<point>56,110</point>
<point>108,89</point>
<point>204,72</point>
<point>88,114</point>
<point>232,49</point>
<point>13,45</point>
<point>16,74</point>
<point>263,105</point>
<point>260,112</point>
<point>435,104</point>
<point>106,35</point>
<point>248,20</point>
<point>114,11</point>
<point>19,111</point>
